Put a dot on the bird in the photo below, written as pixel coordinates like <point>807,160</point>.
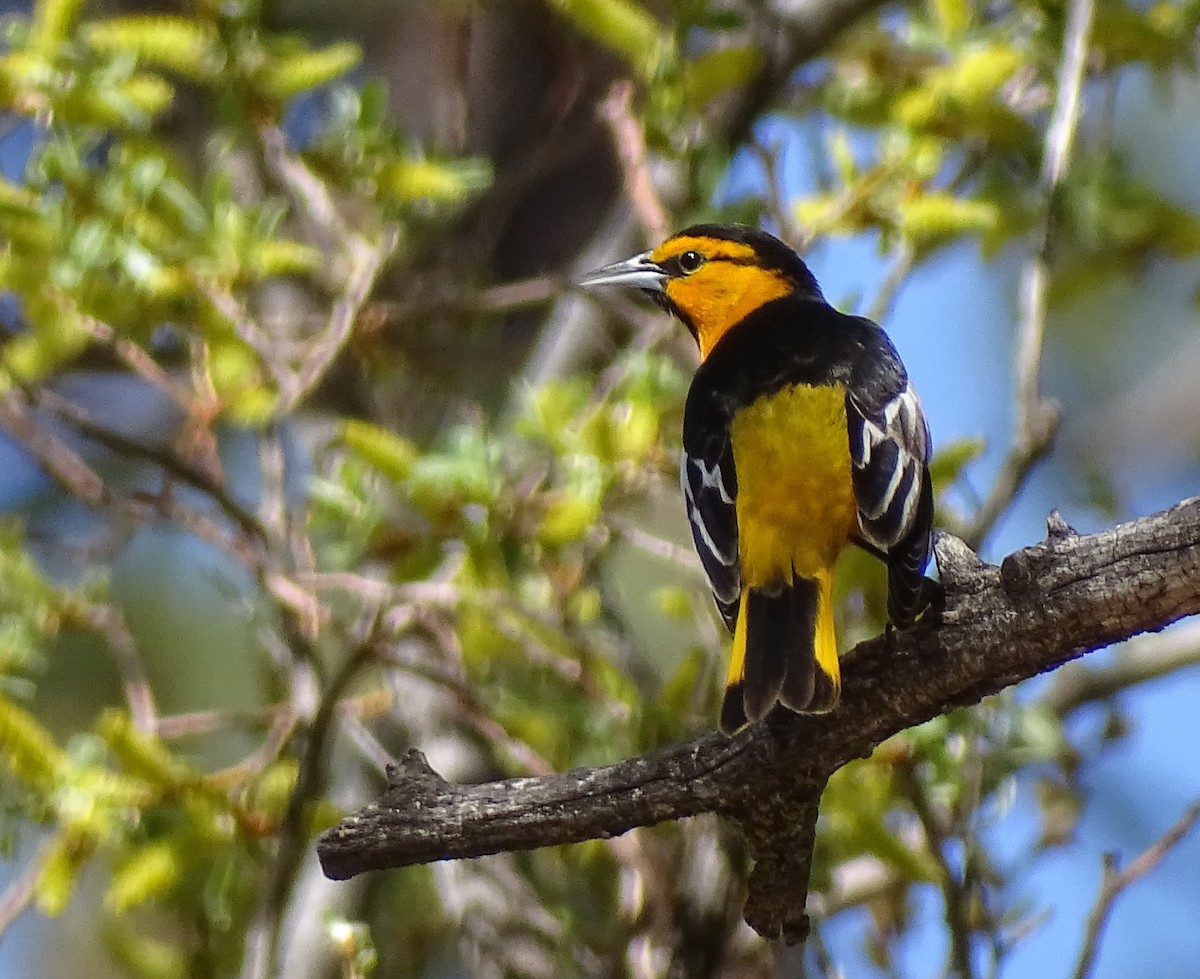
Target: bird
<point>802,435</point>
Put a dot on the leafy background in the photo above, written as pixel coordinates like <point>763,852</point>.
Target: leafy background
<point>314,454</point>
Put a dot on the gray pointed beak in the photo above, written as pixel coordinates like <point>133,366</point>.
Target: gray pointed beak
<point>639,272</point>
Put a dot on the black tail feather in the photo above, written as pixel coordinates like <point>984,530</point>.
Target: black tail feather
<point>769,640</point>
<point>802,678</point>
<point>733,710</point>
<point>780,665</point>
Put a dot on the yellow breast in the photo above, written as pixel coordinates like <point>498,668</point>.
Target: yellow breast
<point>795,502</point>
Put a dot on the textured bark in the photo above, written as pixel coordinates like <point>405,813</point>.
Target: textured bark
<point>1041,607</point>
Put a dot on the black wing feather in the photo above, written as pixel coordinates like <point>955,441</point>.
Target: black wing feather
<point>709,484</point>
<point>889,452</point>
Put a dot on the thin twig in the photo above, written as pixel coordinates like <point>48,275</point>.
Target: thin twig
<point>309,193</point>
<point>367,260</point>
<point>903,261</point>
<point>777,205</point>
<point>69,470</point>
<point>177,468</point>
<point>855,882</point>
<point>1143,659</point>
<point>203,722</point>
<point>1037,417</point>
<point>136,359</point>
<point>61,463</point>
<point>265,933</point>
<point>1116,881</point>
<point>19,894</point>
<point>509,296</point>
<point>244,324</point>
<point>954,891</point>
<point>108,621</point>
<point>367,744</point>
<point>253,764</point>
<point>630,141</point>
<point>683,557</point>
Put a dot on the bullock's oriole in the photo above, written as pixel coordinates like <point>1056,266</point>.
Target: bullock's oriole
<point>801,434</point>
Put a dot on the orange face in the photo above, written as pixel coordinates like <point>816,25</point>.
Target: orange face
<point>714,283</point>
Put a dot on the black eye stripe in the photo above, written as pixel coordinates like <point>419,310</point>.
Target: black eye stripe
<point>679,265</point>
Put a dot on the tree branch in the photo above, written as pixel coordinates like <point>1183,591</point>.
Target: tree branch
<point>1041,607</point>
<point>788,35</point>
<point>1117,880</point>
<point>1038,417</point>
<point>1147,658</point>
<point>955,892</point>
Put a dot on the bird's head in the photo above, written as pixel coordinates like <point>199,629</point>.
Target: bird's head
<point>712,276</point>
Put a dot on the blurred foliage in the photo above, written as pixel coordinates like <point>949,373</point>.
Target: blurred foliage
<point>505,581</point>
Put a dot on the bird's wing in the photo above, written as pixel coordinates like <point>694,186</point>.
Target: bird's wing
<point>889,452</point>
<point>709,484</point>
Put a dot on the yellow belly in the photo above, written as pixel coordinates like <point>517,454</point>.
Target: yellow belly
<point>795,502</point>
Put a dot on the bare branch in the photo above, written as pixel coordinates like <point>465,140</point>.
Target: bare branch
<point>61,463</point>
<point>775,201</point>
<point>617,112</point>
<point>136,359</point>
<point>1116,881</point>
<point>1037,418</point>
<point>903,262</point>
<point>110,623</point>
<point>955,895</point>
<point>789,34</point>
<point>367,260</point>
<point>20,892</point>
<point>200,478</point>
<point>1146,658</point>
<point>1043,606</point>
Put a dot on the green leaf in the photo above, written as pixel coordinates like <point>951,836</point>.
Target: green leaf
<point>951,459</point>
<point>17,199</point>
<point>142,755</point>
<point>623,27</point>
<point>567,519</point>
<point>715,72</point>
<point>932,218</point>
<point>144,956</point>
<point>280,256</point>
<point>146,94</point>
<point>59,873</point>
<point>52,23</point>
<point>285,77</point>
<point>392,454</point>
<point>952,17</point>
<point>56,338</point>
<point>674,602</point>
<point>27,749</point>
<point>443,182</point>
<point>185,45</point>
<point>151,871</point>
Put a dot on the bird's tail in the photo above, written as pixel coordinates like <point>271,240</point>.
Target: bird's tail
<point>785,650</point>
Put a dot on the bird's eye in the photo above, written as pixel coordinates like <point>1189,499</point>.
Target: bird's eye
<point>689,261</point>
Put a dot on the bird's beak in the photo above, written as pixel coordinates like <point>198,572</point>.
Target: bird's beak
<point>639,272</point>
